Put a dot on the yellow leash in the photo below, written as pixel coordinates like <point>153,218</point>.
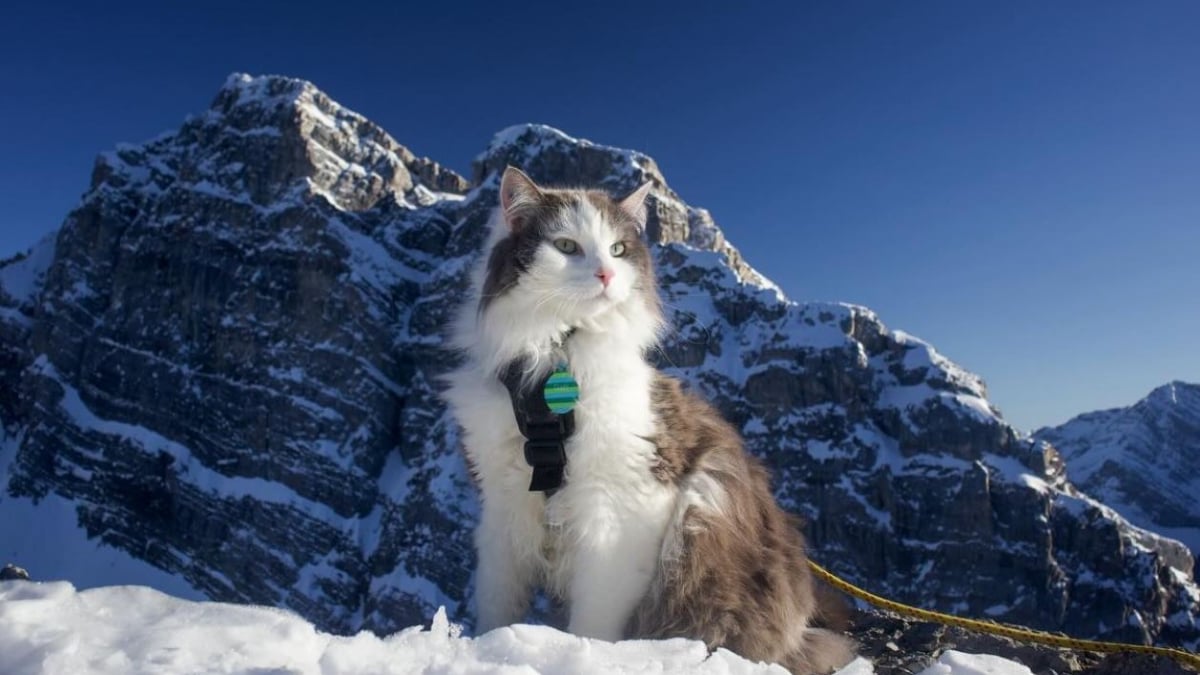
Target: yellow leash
<point>1014,632</point>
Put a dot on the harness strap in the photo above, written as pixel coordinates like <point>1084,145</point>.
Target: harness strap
<point>545,432</point>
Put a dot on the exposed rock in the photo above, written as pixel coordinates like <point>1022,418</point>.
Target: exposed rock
<point>11,572</point>
<point>1143,460</point>
<point>230,366</point>
<point>902,646</point>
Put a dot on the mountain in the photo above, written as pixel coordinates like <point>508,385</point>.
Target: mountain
<point>1143,460</point>
<point>225,364</point>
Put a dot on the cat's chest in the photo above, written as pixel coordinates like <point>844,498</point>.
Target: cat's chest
<point>614,394</point>
<point>609,450</point>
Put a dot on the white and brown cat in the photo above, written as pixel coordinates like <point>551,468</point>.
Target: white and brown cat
<point>664,526</point>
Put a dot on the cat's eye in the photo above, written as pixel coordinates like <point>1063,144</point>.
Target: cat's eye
<point>617,250</point>
<point>567,246</point>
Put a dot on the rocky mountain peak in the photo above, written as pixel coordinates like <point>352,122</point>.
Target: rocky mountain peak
<point>1179,400</point>
<point>269,140</point>
<point>552,153</point>
<point>242,90</point>
<point>230,373</point>
<point>1143,460</point>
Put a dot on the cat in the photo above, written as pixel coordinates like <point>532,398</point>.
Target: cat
<point>664,525</point>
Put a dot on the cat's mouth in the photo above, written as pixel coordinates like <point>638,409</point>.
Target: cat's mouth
<point>600,301</point>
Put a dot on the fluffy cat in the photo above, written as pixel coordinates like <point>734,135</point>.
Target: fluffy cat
<point>664,525</point>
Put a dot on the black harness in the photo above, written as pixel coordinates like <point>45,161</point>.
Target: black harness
<point>545,432</point>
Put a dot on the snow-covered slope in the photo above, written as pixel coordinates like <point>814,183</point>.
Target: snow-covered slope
<point>21,279</point>
<point>46,537</point>
<point>1143,460</point>
<point>53,629</point>
<point>22,275</point>
<point>229,373</point>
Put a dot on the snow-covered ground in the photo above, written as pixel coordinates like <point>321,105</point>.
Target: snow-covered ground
<point>53,629</point>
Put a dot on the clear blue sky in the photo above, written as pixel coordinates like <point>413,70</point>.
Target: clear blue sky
<point>1018,182</point>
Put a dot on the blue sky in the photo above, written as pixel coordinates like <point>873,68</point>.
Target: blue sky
<point>1017,183</point>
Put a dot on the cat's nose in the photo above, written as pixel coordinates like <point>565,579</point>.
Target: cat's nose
<point>605,275</point>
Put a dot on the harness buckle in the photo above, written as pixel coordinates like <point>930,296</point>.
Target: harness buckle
<point>545,452</point>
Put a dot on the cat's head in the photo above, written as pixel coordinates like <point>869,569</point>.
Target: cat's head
<point>578,256</point>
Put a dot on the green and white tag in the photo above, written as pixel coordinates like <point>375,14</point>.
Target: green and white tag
<point>561,391</point>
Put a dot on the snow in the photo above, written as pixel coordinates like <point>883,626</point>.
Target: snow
<point>542,136</point>
<point>998,610</point>
<point>1140,460</point>
<point>1011,470</point>
<point>959,663</point>
<point>192,470</point>
<point>922,354</point>
<point>1188,536</point>
<point>45,538</point>
<point>22,279</point>
<point>255,90</point>
<point>52,628</point>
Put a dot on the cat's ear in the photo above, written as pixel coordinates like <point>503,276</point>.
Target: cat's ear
<point>635,205</point>
<point>517,193</point>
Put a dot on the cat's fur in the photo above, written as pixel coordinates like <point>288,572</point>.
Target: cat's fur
<point>664,526</point>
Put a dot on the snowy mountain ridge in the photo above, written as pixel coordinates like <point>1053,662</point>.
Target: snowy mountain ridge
<point>227,370</point>
<point>1143,460</point>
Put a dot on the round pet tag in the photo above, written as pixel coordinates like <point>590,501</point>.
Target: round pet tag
<point>561,391</point>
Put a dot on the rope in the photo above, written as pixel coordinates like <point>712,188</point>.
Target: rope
<point>1014,632</point>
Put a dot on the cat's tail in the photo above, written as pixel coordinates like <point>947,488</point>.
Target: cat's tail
<point>820,652</point>
<point>833,609</point>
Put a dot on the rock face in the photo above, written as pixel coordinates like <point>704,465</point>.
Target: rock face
<point>13,573</point>
<point>228,359</point>
<point>1143,460</point>
<point>900,646</point>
